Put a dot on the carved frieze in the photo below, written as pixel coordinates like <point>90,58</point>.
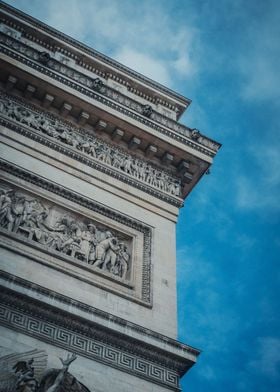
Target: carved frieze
<point>105,252</point>
<point>83,239</point>
<point>92,341</point>
<point>88,144</point>
<point>97,85</point>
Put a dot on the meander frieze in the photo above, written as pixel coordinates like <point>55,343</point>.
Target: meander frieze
<point>97,150</point>
<point>99,87</point>
<point>90,340</point>
<point>94,246</point>
<point>90,310</point>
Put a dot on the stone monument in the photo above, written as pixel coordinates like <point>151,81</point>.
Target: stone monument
<point>94,167</point>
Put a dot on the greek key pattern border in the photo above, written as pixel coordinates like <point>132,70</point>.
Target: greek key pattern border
<point>89,310</point>
<point>95,207</point>
<point>88,347</point>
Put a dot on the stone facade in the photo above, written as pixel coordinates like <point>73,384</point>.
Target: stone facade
<point>94,167</point>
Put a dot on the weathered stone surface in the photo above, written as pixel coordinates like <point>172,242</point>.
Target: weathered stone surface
<point>93,169</point>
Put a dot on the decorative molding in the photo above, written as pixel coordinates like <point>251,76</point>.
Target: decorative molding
<point>86,148</point>
<point>89,51</point>
<point>91,340</point>
<point>89,310</point>
<point>85,85</point>
<point>93,206</point>
<point>89,242</point>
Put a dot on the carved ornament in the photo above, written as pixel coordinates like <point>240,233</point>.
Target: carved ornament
<point>112,94</point>
<point>89,145</point>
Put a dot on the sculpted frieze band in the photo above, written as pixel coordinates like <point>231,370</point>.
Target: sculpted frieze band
<point>85,240</point>
<point>94,83</point>
<point>91,146</point>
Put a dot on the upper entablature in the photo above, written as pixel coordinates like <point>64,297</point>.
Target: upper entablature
<point>160,99</point>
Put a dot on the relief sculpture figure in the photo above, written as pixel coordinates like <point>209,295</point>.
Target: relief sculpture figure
<point>6,217</point>
<point>27,372</point>
<point>77,238</point>
<point>97,149</point>
<point>106,251</point>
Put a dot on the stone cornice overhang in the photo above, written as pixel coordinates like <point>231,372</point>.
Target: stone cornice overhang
<point>76,48</point>
<point>69,151</point>
<point>182,148</point>
<point>143,353</point>
<point>87,81</point>
<point>204,145</point>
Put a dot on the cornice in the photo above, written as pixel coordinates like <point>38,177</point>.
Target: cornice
<point>11,11</point>
<point>86,338</point>
<point>39,136</point>
<point>89,310</point>
<point>122,103</point>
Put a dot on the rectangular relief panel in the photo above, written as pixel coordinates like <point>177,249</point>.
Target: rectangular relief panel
<point>75,235</point>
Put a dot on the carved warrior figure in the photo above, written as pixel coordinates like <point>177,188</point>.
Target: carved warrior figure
<point>63,233</point>
<point>89,145</point>
<point>24,374</point>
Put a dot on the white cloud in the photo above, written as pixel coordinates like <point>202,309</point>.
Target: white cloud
<point>144,37</point>
<point>145,64</point>
<point>268,357</point>
<point>207,311</point>
<point>259,57</point>
<point>261,190</point>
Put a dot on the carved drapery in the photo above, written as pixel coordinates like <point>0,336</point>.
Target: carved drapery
<point>27,372</point>
<point>88,144</point>
<point>85,240</point>
<point>96,244</point>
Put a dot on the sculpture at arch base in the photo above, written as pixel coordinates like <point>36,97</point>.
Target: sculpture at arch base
<point>28,373</point>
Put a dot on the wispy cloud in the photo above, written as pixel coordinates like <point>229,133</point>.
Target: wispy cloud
<point>259,57</point>
<point>267,359</point>
<point>139,35</point>
<point>261,188</point>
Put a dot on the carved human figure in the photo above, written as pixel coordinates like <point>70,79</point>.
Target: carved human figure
<point>127,165</point>
<point>22,210</point>
<point>88,243</point>
<point>106,251</point>
<point>150,175</point>
<point>105,155</point>
<point>73,242</point>
<point>27,386</point>
<point>68,138</point>
<point>61,374</point>
<point>47,128</point>
<point>42,231</point>
<point>141,170</point>
<point>123,258</point>
<point>6,217</point>
<point>26,381</point>
<point>117,160</point>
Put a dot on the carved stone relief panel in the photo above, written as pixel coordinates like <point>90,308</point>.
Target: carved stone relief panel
<point>108,155</point>
<point>112,254</point>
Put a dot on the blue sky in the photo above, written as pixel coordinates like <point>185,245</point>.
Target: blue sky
<point>224,55</point>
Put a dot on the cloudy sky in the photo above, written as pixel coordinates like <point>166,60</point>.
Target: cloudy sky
<point>223,55</point>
